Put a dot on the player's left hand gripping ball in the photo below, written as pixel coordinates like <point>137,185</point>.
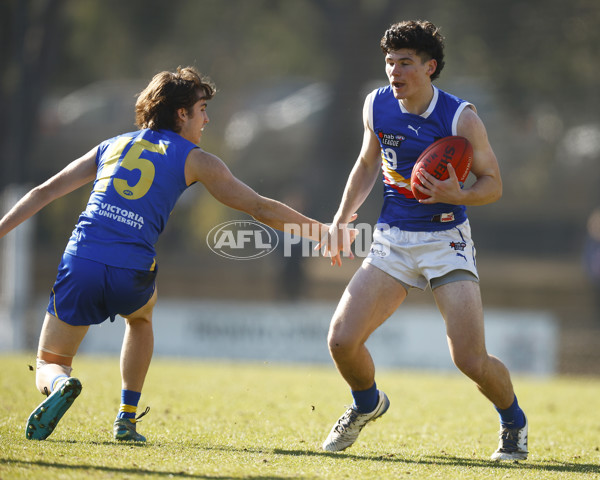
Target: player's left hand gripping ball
<point>453,150</point>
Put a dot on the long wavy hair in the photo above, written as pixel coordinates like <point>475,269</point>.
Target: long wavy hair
<point>157,105</point>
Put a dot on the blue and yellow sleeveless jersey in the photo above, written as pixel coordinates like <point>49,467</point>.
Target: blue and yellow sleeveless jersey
<point>403,137</point>
<point>140,178</point>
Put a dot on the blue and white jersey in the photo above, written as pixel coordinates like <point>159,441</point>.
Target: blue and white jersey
<point>140,178</point>
<point>403,136</point>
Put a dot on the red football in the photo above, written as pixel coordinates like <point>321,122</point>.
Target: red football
<point>434,160</point>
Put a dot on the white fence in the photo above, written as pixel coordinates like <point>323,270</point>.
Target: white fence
<point>526,341</point>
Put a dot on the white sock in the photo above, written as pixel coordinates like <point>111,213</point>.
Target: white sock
<point>58,381</point>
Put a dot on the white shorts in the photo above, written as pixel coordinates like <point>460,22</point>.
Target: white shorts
<point>417,258</point>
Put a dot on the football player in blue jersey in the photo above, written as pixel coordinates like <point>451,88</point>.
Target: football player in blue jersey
<point>109,264</point>
<point>418,243</point>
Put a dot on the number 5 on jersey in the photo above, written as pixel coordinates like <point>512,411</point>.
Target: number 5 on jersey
<point>131,161</point>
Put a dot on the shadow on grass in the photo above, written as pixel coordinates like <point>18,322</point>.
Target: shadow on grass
<point>121,472</point>
<point>545,465</point>
<point>440,460</point>
<point>552,466</point>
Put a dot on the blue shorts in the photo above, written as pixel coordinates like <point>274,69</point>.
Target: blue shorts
<point>88,292</point>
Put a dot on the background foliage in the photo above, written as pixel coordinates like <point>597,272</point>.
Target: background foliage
<point>71,68</point>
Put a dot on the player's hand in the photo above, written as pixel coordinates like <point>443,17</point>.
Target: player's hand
<point>440,191</point>
<point>337,240</point>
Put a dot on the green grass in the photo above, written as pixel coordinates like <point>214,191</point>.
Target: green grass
<point>266,421</point>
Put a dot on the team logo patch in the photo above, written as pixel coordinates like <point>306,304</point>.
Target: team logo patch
<point>390,139</point>
<point>458,246</point>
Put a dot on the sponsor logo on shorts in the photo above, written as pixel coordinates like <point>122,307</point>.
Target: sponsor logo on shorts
<point>458,246</point>
<point>379,250</point>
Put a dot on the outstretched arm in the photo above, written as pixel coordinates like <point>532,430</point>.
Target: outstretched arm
<point>76,174</point>
<point>224,186</point>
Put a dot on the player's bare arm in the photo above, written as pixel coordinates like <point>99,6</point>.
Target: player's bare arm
<point>210,170</point>
<point>488,186</point>
<point>76,174</point>
<point>360,183</point>
<point>363,176</point>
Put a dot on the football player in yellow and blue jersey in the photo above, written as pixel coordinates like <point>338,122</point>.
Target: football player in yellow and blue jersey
<point>109,265</point>
<point>418,243</point>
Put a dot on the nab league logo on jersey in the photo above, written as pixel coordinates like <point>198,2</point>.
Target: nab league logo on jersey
<point>390,139</point>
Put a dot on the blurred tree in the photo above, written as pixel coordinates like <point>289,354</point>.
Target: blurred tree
<point>537,61</point>
<point>31,38</point>
<point>349,37</point>
<point>540,51</point>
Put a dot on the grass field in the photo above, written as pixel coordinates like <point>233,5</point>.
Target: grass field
<point>266,421</point>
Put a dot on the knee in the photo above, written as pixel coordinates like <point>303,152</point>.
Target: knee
<point>341,343</point>
<point>471,364</point>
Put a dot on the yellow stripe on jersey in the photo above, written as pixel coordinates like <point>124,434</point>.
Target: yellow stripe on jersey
<point>393,177</point>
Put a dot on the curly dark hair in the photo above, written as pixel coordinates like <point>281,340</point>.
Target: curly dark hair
<point>418,35</point>
<point>157,105</point>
